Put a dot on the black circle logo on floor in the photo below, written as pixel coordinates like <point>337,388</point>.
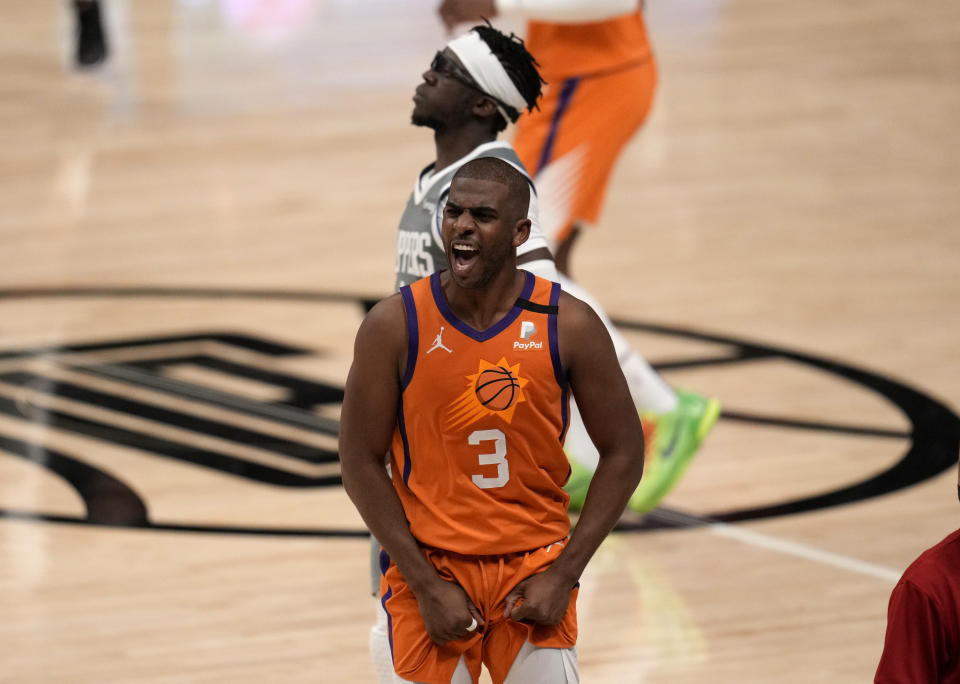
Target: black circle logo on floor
<point>182,399</point>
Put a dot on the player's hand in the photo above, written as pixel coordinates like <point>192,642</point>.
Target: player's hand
<point>542,599</point>
<point>448,612</point>
<point>454,12</point>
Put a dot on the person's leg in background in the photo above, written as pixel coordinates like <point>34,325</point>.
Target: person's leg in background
<point>91,45</point>
<point>571,146</point>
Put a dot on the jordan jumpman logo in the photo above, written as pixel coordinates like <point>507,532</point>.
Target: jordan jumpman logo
<point>438,343</point>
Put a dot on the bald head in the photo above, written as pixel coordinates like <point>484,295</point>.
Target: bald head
<point>499,171</point>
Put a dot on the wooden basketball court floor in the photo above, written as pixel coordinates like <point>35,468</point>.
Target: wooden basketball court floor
<point>189,234</point>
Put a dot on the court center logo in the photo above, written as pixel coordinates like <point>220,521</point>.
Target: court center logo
<point>124,422</point>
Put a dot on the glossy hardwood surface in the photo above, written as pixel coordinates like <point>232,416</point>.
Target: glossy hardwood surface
<point>795,187</point>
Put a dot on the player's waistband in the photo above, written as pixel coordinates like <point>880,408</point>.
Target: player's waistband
<point>608,71</point>
<point>492,556</point>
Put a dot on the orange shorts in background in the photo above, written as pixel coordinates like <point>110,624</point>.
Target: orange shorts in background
<point>487,580</point>
<point>570,145</point>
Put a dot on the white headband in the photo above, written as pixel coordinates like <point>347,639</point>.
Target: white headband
<point>487,71</point>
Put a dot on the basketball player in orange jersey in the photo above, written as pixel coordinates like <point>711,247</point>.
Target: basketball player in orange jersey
<point>601,75</point>
<point>474,87</point>
<point>479,565</point>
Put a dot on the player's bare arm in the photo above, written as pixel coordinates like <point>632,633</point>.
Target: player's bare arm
<point>367,421</point>
<point>453,12</point>
<point>613,424</point>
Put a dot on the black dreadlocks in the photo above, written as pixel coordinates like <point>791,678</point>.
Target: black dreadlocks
<point>519,64</point>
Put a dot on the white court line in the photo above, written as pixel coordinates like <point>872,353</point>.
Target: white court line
<point>803,551</point>
<point>765,541</point>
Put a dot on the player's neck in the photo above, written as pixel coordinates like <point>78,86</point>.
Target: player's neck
<point>481,308</point>
<point>454,144</point>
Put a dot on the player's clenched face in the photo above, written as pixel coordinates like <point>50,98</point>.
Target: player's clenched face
<point>482,227</point>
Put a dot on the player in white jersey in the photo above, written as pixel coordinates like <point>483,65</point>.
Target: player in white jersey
<point>478,83</point>
<point>473,87</point>
<point>419,244</point>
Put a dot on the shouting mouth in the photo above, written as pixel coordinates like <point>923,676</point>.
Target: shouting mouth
<point>463,256</point>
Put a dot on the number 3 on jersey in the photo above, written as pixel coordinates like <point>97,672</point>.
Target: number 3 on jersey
<point>498,458</point>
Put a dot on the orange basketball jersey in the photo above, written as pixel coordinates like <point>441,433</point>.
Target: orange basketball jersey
<point>565,50</point>
<point>477,455</point>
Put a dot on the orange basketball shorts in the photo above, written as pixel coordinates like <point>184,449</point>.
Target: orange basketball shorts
<point>571,144</point>
<point>487,580</point>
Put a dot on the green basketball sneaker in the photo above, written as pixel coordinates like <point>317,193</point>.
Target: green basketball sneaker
<point>675,437</point>
<point>672,440</point>
<point>578,484</point>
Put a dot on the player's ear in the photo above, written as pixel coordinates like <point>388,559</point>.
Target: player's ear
<point>484,107</point>
<point>521,231</point>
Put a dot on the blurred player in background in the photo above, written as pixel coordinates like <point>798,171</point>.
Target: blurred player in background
<point>601,76</point>
<point>478,84</point>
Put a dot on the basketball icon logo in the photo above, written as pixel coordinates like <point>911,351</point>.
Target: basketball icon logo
<point>496,388</point>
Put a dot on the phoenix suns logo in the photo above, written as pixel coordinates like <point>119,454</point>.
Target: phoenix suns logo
<point>495,389</point>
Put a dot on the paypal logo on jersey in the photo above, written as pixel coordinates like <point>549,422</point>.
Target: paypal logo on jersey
<point>527,330</point>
